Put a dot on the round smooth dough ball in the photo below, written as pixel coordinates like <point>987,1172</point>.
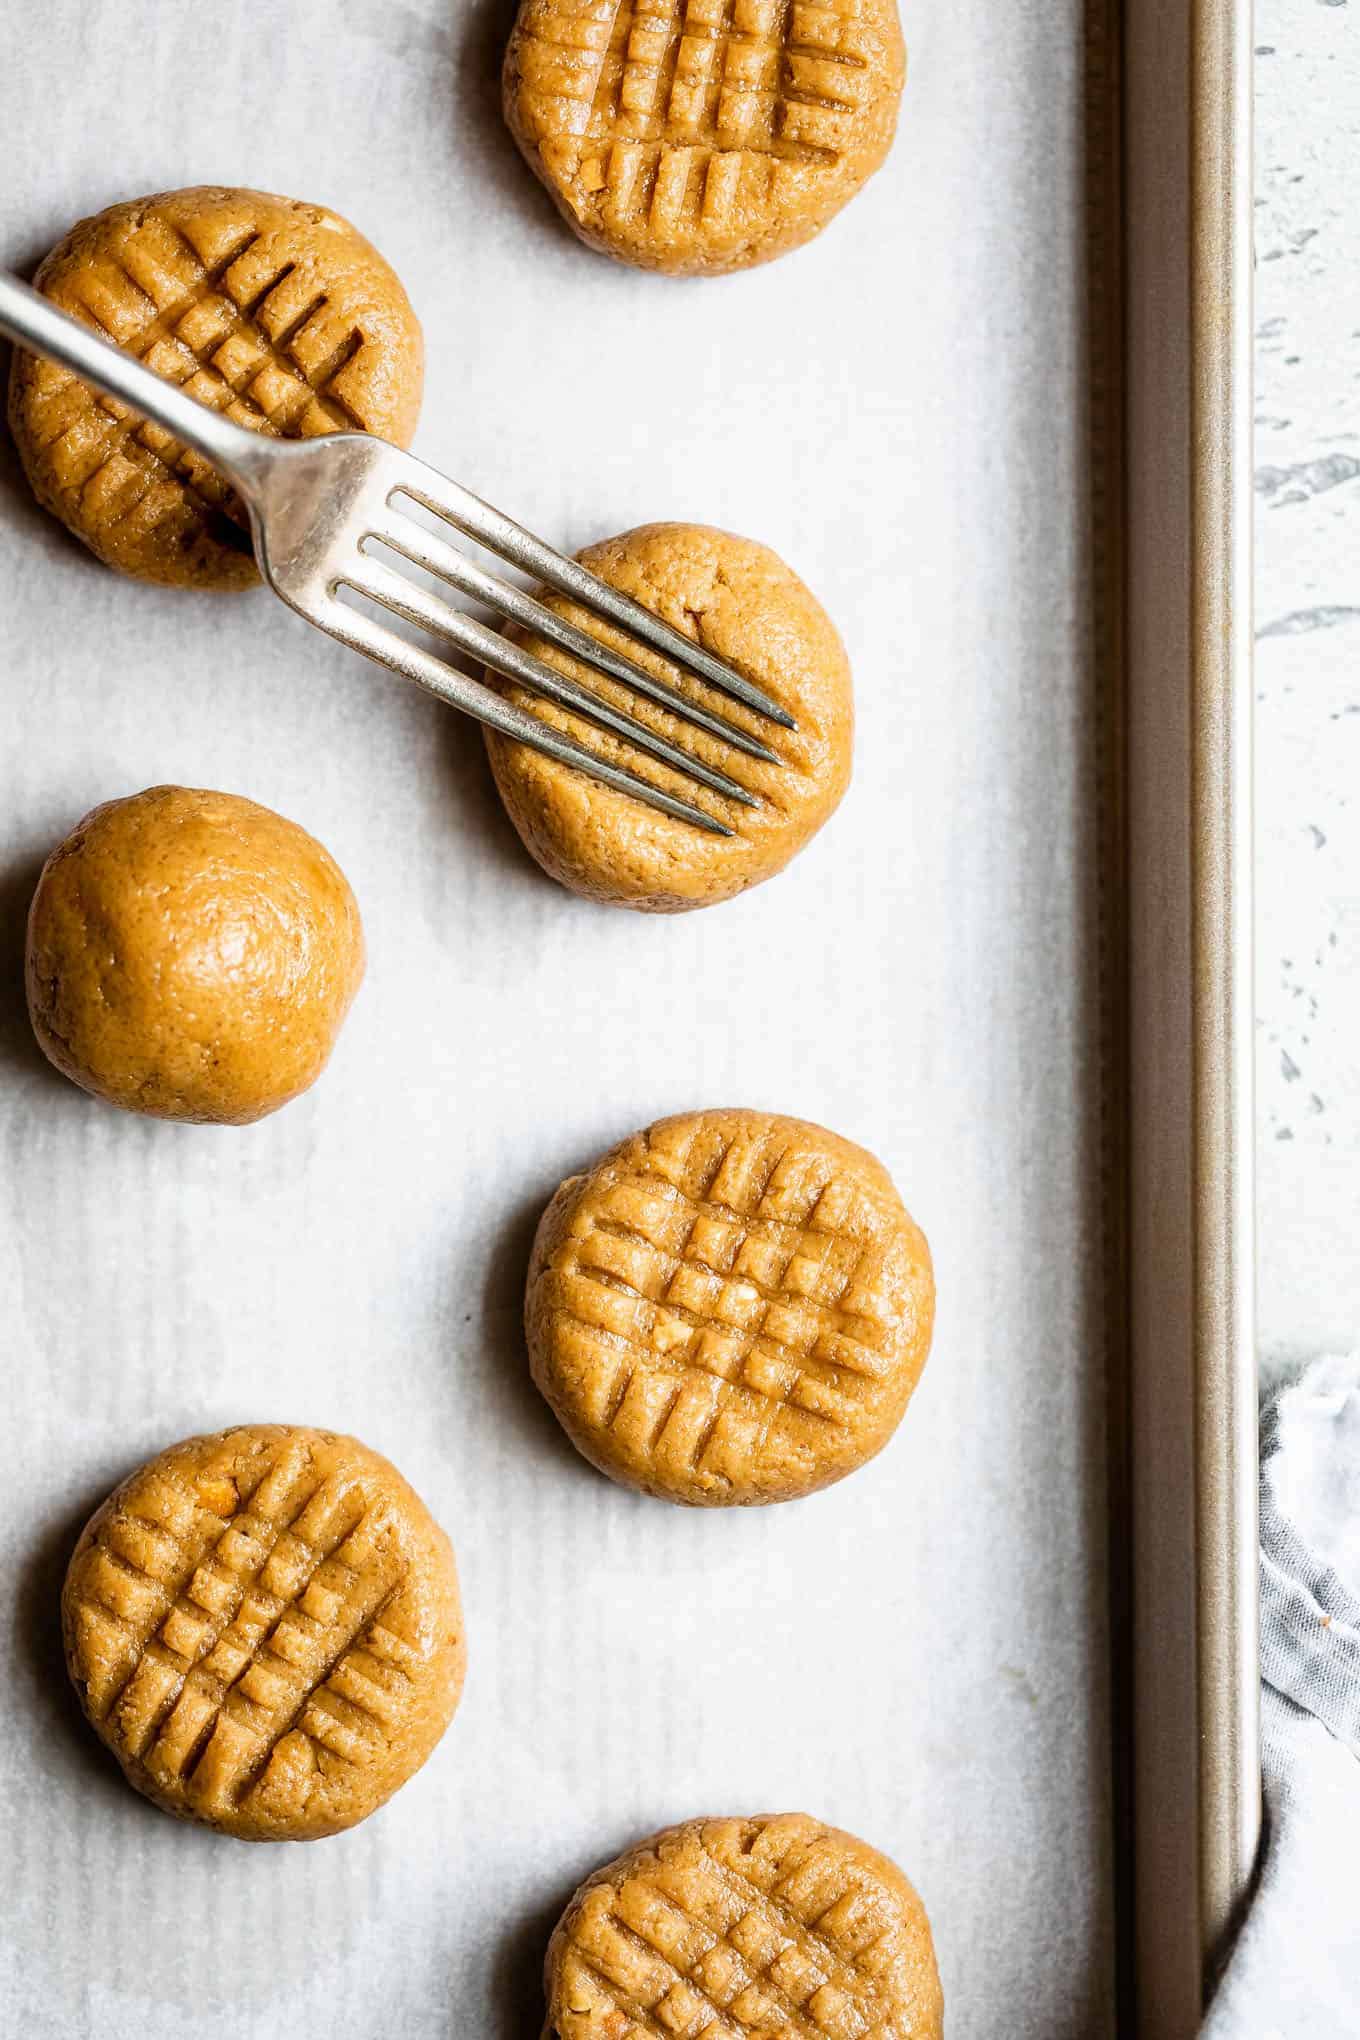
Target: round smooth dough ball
<point>264,1627</point>
<point>707,138</point>
<point>730,1307</point>
<point>276,313</point>
<point>740,601</point>
<point>720,1926</point>
<point>191,955</point>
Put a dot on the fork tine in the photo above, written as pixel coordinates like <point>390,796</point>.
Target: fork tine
<point>417,605</point>
<point>473,697</point>
<point>419,546</point>
<point>491,528</point>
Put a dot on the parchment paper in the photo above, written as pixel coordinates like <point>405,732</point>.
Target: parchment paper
<point>919,1653</point>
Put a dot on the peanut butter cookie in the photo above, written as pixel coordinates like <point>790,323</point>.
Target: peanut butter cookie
<point>698,136</point>
<point>277,313</point>
<point>264,1627</point>
<point>191,956</point>
<point>729,1307</point>
<point>739,601</point>
<point>726,1929</point>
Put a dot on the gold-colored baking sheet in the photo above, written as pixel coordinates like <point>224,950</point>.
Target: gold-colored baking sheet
<point>915,411</point>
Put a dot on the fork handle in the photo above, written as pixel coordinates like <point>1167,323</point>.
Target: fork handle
<point>35,322</point>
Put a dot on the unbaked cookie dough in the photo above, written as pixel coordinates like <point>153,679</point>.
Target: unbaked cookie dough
<point>277,313</point>
<point>774,1925</point>
<point>264,1627</point>
<point>738,600</point>
<point>729,1307</point>
<point>697,136</point>
<point>191,955</point>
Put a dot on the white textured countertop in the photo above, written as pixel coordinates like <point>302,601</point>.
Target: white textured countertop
<point>1308,672</point>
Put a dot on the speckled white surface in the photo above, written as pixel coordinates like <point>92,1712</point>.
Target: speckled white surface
<point>1308,672</point>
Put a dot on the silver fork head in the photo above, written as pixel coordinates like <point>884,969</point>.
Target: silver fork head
<point>317,504</point>
<point>320,506</point>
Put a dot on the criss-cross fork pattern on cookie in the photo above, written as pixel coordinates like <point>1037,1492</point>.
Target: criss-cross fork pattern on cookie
<point>241,329</point>
<point>226,1618</point>
<point>738,1928</point>
<point>722,1289</point>
<point>692,100</point>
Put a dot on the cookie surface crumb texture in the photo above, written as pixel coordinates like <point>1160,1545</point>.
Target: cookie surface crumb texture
<point>730,1307</point>
<point>191,955</point>
<point>263,1625</point>
<point>774,1926</point>
<point>278,314</point>
<point>700,136</point>
<point>741,603</point>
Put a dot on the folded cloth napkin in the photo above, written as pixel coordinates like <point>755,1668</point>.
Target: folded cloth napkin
<point>1295,1971</point>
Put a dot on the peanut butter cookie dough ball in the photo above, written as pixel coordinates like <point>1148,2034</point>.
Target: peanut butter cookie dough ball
<point>772,1925</point>
<point>277,313</point>
<point>738,600</point>
<point>191,956</point>
<point>263,1625</point>
<point>698,136</point>
<point>729,1307</point>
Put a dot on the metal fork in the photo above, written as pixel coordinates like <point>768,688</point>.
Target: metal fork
<point>317,505</point>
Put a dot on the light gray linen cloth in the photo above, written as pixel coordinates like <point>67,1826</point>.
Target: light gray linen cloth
<point>1294,1973</point>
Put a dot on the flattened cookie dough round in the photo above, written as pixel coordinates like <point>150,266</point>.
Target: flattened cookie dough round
<point>729,1307</point>
<point>191,955</point>
<point>277,313</point>
<point>740,601</point>
<point>699,136</point>
<point>774,1924</point>
<point>264,1627</point>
